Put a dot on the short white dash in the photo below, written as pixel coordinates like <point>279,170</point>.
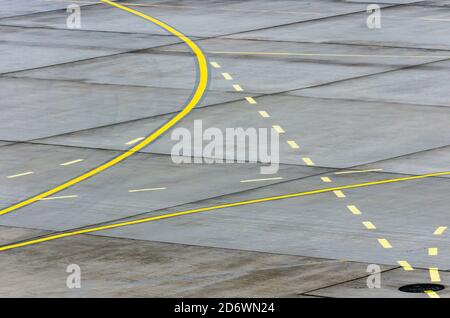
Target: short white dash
<point>59,198</point>
<point>149,189</point>
<point>257,180</point>
<point>20,174</point>
<point>131,142</point>
<point>357,171</point>
<point>71,162</point>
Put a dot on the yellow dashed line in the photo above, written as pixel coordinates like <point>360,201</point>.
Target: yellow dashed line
<point>434,274</point>
<point>406,266</point>
<point>339,194</point>
<point>237,88</point>
<point>433,251</point>
<point>385,243</point>
<point>432,294</point>
<point>308,161</point>
<point>132,142</point>
<point>20,175</point>
<point>250,100</point>
<point>293,144</point>
<point>354,209</point>
<point>227,76</point>
<point>71,162</point>
<point>278,129</point>
<point>326,179</point>
<point>369,225</point>
<point>440,230</point>
<point>264,114</point>
<point>215,65</point>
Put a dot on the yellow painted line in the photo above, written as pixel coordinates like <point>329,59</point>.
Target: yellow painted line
<point>71,162</point>
<point>308,161</point>
<point>20,175</point>
<point>339,194</point>
<point>278,129</point>
<point>250,100</point>
<point>199,91</point>
<point>354,209</point>
<point>227,76</point>
<point>432,294</point>
<point>434,274</point>
<point>384,243</point>
<point>132,142</point>
<point>148,189</point>
<point>369,225</point>
<point>440,230</point>
<point>264,114</point>
<point>357,171</point>
<point>406,266</point>
<point>326,179</point>
<point>237,88</point>
<point>216,207</point>
<point>432,251</point>
<point>59,198</point>
<point>258,180</point>
<point>293,144</point>
<point>215,65</point>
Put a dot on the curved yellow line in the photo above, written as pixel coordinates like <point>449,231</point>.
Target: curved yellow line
<point>195,99</point>
<point>216,207</point>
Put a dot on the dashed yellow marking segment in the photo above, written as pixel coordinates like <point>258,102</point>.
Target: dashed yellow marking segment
<point>71,162</point>
<point>216,207</point>
<point>440,230</point>
<point>293,144</point>
<point>308,161</point>
<point>406,266</point>
<point>339,194</point>
<point>148,189</point>
<point>227,76</point>
<point>238,88</point>
<point>59,198</point>
<point>264,114</point>
<point>278,129</point>
<point>134,141</point>
<point>326,179</point>
<point>251,100</point>
<point>434,274</point>
<point>258,180</point>
<point>384,243</point>
<point>432,251</point>
<point>215,65</point>
<point>354,209</point>
<point>194,100</point>
<point>369,225</point>
<point>20,175</point>
<point>432,294</point>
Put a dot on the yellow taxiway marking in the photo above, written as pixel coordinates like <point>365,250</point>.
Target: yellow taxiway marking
<point>326,179</point>
<point>227,76</point>
<point>237,88</point>
<point>406,266</point>
<point>20,175</point>
<point>59,198</point>
<point>251,100</point>
<point>264,114</point>
<point>258,180</point>
<point>357,171</point>
<point>308,161</point>
<point>434,274</point>
<point>215,65</point>
<point>354,209</point>
<point>132,142</point>
<point>440,230</point>
<point>71,162</point>
<point>293,144</point>
<point>432,294</point>
<point>216,207</point>
<point>385,243</point>
<point>432,251</point>
<point>278,129</point>
<point>369,225</point>
<point>199,91</point>
<point>339,194</point>
<point>148,189</point>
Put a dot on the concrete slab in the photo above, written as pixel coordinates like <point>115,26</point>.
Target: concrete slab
<point>12,8</point>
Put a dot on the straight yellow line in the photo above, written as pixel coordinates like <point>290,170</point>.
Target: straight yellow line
<point>440,230</point>
<point>194,100</point>
<point>20,175</point>
<point>434,274</point>
<point>217,207</point>
<point>384,243</point>
<point>406,266</point>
